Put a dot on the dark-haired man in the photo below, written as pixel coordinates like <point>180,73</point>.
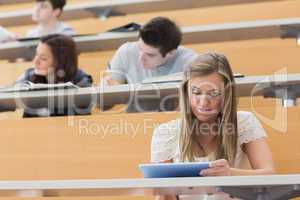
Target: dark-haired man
<point>156,53</point>
<point>46,13</point>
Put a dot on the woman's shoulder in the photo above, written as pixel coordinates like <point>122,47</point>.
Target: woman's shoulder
<point>26,76</point>
<point>167,132</point>
<point>29,71</point>
<point>170,126</point>
<point>83,79</point>
<point>249,127</point>
<point>165,141</point>
<point>171,123</point>
<point>246,119</point>
<point>244,116</point>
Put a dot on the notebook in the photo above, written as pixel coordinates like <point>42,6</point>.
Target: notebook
<point>131,27</point>
<point>29,86</point>
<point>165,170</point>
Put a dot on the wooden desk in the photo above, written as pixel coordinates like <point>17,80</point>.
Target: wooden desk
<point>89,147</point>
<point>246,187</point>
<point>95,147</point>
<point>194,34</point>
<point>77,147</point>
<point>286,87</point>
<point>113,7</point>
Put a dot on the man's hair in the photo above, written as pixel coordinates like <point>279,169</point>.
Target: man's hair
<point>55,3</point>
<point>161,33</point>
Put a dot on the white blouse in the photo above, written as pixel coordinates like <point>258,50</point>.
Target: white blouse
<point>165,143</point>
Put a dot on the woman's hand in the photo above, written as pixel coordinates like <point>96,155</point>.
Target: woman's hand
<point>217,168</point>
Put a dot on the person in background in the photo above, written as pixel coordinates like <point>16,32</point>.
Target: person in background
<point>210,127</point>
<point>46,14</point>
<point>156,53</point>
<point>6,36</point>
<point>56,61</point>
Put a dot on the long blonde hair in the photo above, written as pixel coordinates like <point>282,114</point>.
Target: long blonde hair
<point>226,139</point>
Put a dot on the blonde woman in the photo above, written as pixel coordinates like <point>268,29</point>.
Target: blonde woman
<point>211,128</point>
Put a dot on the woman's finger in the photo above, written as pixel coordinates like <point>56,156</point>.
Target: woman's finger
<point>213,171</point>
<point>219,163</point>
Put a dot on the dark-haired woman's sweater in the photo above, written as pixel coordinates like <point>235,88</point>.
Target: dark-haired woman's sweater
<point>81,79</point>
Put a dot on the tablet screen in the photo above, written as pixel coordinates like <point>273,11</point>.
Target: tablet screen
<point>164,170</point>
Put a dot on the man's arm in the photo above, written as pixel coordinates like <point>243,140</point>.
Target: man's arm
<point>116,72</point>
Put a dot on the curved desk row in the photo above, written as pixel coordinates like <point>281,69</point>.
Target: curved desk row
<point>280,28</point>
<point>271,187</point>
<point>286,87</point>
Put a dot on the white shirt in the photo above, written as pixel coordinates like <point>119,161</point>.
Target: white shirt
<point>125,63</point>
<point>126,67</point>
<point>165,144</point>
<point>5,34</point>
<point>61,28</point>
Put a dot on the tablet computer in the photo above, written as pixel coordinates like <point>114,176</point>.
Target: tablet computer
<point>165,170</point>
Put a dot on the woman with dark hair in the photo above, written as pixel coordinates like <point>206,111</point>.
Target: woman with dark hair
<point>211,129</point>
<point>56,61</point>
